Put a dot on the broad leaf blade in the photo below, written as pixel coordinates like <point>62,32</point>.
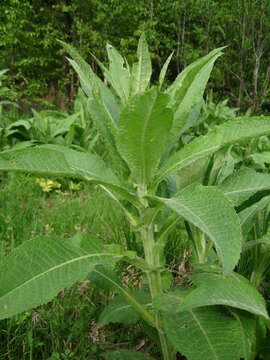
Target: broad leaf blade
<point>208,334</point>
<point>120,311</point>
<point>247,326</point>
<point>57,160</point>
<point>188,88</point>
<point>54,160</point>
<point>242,185</point>
<point>143,129</point>
<point>36,271</point>
<point>142,71</point>
<point>118,75</point>
<point>233,290</point>
<point>209,210</point>
<point>230,132</point>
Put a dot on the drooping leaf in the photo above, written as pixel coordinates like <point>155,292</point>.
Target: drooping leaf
<point>105,275</point>
<point>36,271</point>
<point>241,185</point>
<point>54,160</point>
<point>248,215</point>
<point>205,333</point>
<point>141,71</point>
<point>233,290</point>
<point>120,311</point>
<point>209,210</point>
<point>143,129</point>
<point>188,88</point>
<point>230,132</point>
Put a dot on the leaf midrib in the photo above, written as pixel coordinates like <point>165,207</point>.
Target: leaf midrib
<point>207,231</point>
<point>163,174</point>
<point>66,263</point>
<point>142,147</point>
<point>204,334</point>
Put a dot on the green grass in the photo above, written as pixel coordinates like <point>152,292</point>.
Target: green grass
<point>66,327</point>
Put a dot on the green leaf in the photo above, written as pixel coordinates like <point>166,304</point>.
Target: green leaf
<point>102,105</point>
<point>105,275</point>
<point>188,88</point>
<point>233,290</point>
<point>230,132</point>
<point>143,129</point>
<point>35,272</point>
<point>265,240</point>
<point>63,126</point>
<point>241,185</point>
<point>248,215</point>
<point>164,71</point>
<point>209,210</point>
<point>86,75</point>
<point>120,311</point>
<point>261,158</point>
<point>54,160</point>
<point>247,326</point>
<point>118,75</point>
<point>207,333</point>
<point>142,71</point>
<point>126,355</point>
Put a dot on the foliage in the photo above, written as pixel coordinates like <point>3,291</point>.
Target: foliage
<point>188,29</point>
<point>142,125</point>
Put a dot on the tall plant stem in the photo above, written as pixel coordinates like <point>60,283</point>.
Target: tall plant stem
<point>155,284</point>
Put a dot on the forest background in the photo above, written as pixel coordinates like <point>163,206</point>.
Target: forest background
<point>189,28</point>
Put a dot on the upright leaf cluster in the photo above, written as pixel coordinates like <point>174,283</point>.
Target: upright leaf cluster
<point>142,125</point>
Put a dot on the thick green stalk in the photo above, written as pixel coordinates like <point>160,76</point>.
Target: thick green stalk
<point>155,284</point>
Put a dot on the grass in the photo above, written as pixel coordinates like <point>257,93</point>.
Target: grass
<point>66,327</point>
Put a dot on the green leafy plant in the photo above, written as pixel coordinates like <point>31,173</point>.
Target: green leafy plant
<point>142,125</point>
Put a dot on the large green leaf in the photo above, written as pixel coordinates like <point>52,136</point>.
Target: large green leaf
<point>143,129</point>
<point>188,88</point>
<point>241,185</point>
<point>233,290</point>
<point>248,215</point>
<point>209,210</point>
<point>141,71</point>
<point>230,132</point>
<point>54,160</point>
<point>38,269</point>
<point>207,333</point>
<point>120,311</point>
